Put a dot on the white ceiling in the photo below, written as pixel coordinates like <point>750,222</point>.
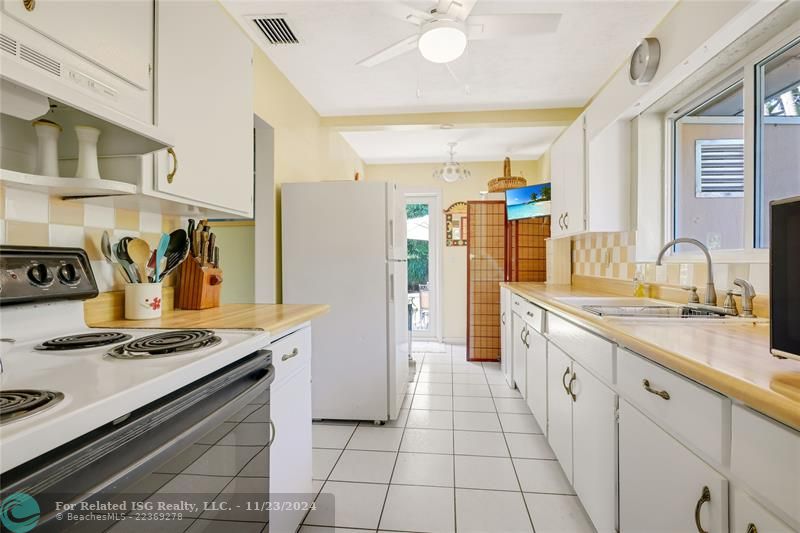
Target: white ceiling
<point>415,145</point>
<point>560,69</point>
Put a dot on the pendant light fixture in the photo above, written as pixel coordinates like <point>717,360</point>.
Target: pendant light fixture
<point>451,171</point>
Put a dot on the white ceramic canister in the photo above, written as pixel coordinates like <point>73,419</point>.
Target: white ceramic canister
<point>47,133</point>
<point>87,152</point>
<point>142,300</point>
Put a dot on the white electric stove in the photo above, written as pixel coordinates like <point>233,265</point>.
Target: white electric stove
<point>68,390</point>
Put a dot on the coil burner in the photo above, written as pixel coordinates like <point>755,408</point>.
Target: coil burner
<point>18,404</point>
<point>166,344</point>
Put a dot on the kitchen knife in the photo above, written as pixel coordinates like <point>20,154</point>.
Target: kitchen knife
<point>204,247</point>
<point>190,235</point>
<point>216,257</point>
<point>212,243</point>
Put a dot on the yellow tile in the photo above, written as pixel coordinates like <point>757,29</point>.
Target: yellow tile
<point>127,219</point>
<point>673,274</point>
<point>91,243</point>
<point>170,223</point>
<point>27,233</point>
<point>151,239</point>
<point>66,212</point>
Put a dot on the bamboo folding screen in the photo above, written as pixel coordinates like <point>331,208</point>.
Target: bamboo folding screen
<point>497,251</point>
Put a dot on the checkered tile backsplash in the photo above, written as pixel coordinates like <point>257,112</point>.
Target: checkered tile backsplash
<point>612,255</point>
<point>36,219</point>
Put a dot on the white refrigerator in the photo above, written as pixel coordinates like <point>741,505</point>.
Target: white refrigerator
<point>344,244</point>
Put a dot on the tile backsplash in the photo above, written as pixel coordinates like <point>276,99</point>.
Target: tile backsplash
<point>36,219</point>
<point>611,255</point>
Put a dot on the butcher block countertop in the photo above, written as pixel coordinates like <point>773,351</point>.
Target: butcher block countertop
<point>273,319</point>
<point>733,359</point>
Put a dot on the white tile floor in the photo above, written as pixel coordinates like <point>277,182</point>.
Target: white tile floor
<point>465,455</point>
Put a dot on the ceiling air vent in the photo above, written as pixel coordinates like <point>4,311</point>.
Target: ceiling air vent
<point>719,168</point>
<point>40,60</point>
<point>275,29</point>
<point>7,44</point>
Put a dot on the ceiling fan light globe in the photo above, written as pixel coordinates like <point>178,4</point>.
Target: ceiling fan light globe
<point>442,41</point>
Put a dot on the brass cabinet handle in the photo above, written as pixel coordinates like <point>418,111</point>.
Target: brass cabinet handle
<point>30,5</point>
<point>751,528</point>
<point>646,384</point>
<point>171,174</point>
<point>272,437</point>
<point>705,497</point>
<point>288,356</point>
<point>566,372</point>
<point>569,386</point>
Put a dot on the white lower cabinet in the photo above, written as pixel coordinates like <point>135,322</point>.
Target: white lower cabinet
<point>559,407</point>
<point>506,332</point>
<point>519,347</point>
<point>594,447</point>
<point>663,486</point>
<point>747,516</point>
<point>290,411</point>
<point>536,378</point>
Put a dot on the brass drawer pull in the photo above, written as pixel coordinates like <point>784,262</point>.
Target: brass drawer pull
<point>705,497</point>
<point>566,372</point>
<point>171,174</point>
<point>569,387</point>
<point>30,5</point>
<point>646,384</point>
<point>751,528</point>
<point>288,356</point>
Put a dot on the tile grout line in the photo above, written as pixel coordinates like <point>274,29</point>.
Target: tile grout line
<point>453,417</point>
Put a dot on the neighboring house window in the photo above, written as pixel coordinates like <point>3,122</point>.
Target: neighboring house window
<point>719,168</point>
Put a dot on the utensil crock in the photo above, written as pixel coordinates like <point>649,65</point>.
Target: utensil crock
<point>142,301</point>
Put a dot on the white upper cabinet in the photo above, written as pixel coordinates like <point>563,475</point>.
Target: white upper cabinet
<point>591,180</point>
<point>204,96</point>
<point>116,35</point>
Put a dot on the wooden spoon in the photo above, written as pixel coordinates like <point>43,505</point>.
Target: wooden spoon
<point>139,252</point>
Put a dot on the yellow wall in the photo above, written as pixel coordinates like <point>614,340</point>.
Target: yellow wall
<point>454,258</point>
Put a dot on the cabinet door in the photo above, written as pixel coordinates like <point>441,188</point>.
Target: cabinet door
<point>662,484</point>
<point>204,96</point>
<point>536,372</point>
<point>558,195</point>
<point>574,178</point>
<point>520,331</point>
<point>747,516</point>
<point>290,453</point>
<point>559,407</point>
<point>594,448</point>
<point>117,36</point>
<point>506,335</point>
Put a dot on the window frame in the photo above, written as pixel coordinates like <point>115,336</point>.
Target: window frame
<point>747,70</point>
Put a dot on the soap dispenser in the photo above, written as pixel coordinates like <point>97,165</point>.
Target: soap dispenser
<point>639,286</point>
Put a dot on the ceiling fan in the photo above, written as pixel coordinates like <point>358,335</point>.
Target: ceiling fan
<point>443,31</point>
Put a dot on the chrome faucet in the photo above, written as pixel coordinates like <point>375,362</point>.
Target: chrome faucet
<point>748,293</point>
<point>711,291</point>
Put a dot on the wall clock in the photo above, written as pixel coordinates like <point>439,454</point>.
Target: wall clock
<point>644,61</point>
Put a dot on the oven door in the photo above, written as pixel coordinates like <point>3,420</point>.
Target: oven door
<point>200,455</point>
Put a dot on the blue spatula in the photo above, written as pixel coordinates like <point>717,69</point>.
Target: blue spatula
<point>163,242</point>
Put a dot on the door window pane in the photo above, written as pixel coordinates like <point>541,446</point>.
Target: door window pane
<point>419,289</point>
<point>708,201</point>
<point>777,134</point>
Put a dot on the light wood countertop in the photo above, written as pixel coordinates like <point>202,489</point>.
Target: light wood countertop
<point>271,318</point>
<point>733,359</point>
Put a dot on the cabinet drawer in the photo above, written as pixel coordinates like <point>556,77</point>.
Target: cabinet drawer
<point>290,354</point>
<point>593,352</point>
<point>531,313</point>
<point>699,415</point>
<point>766,456</point>
<point>747,514</point>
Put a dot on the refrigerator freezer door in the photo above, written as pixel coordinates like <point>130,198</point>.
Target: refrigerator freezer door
<point>399,335</point>
<point>396,223</point>
<point>334,252</point>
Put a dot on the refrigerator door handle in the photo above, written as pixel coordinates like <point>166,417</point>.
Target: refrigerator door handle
<point>391,232</point>
<point>391,287</point>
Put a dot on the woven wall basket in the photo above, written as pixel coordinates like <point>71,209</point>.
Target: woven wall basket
<point>507,181</point>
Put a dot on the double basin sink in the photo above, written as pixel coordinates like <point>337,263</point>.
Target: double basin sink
<point>647,308</point>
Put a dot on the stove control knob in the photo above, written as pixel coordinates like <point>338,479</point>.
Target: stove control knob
<point>40,275</point>
<point>69,275</point>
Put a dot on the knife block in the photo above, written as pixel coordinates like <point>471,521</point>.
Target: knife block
<point>199,287</point>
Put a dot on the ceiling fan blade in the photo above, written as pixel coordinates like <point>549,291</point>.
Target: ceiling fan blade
<point>407,13</point>
<point>459,9</point>
<point>397,49</point>
<point>498,26</point>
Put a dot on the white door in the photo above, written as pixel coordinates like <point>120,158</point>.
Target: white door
<point>211,117</point>
<point>398,335</point>
<point>518,350</point>
<point>536,371</point>
<point>506,334</point>
<point>594,450</point>
<point>559,407</point>
<point>663,486</point>
<point>117,36</point>
<point>290,453</point>
<point>422,245</point>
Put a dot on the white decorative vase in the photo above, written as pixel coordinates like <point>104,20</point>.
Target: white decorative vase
<point>47,150</point>
<point>87,152</point>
